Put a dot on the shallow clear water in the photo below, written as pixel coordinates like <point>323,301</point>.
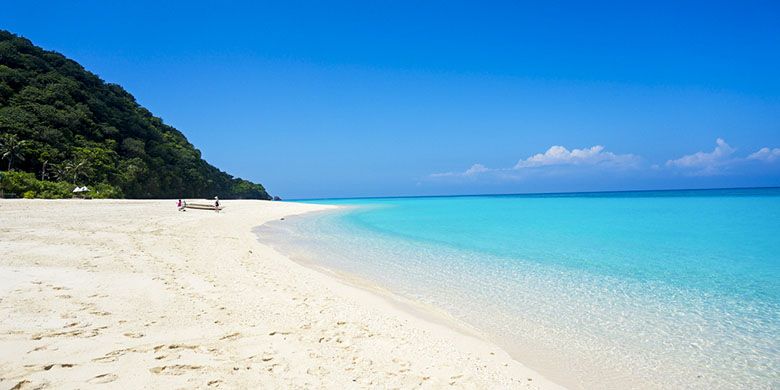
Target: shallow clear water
<point>608,290</point>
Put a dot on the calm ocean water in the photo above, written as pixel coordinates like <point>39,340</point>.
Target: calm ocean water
<point>660,289</point>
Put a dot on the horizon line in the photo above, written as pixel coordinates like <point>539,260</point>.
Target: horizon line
<point>534,193</point>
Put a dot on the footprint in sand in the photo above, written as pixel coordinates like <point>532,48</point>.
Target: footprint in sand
<point>47,367</point>
<point>231,336</point>
<point>41,348</point>
<point>40,336</point>
<point>174,356</point>
<point>103,378</point>
<point>134,335</point>
<point>25,384</point>
<point>111,356</point>
<point>454,379</point>
<point>175,346</point>
<point>176,369</point>
<point>63,365</point>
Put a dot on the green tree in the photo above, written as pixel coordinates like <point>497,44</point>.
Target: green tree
<point>60,171</point>
<point>45,170</point>
<point>11,149</point>
<point>70,125</point>
<point>78,168</point>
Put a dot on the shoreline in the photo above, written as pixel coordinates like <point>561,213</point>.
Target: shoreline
<point>607,331</point>
<point>137,293</point>
<point>423,311</point>
<point>417,309</point>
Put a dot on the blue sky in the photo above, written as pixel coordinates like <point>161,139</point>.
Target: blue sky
<point>317,99</point>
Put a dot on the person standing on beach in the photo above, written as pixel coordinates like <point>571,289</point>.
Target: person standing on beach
<point>216,204</point>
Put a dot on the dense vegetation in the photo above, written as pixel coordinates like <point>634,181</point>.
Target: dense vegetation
<point>62,126</point>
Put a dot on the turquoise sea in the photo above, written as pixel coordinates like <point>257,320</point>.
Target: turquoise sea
<point>651,289</point>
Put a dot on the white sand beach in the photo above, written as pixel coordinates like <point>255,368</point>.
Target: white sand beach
<point>133,294</point>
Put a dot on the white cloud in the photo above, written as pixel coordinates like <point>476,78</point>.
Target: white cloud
<point>703,162</point>
<point>554,156</point>
<point>595,155</point>
<point>766,154</point>
<point>474,170</point>
<point>560,161</point>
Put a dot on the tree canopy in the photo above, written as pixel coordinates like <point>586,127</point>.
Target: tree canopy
<point>63,123</point>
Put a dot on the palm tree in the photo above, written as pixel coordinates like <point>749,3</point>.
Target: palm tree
<point>72,170</point>
<point>77,169</point>
<point>44,171</point>
<point>61,171</point>
<point>11,148</point>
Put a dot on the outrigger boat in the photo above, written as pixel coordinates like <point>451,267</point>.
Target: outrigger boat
<point>202,206</point>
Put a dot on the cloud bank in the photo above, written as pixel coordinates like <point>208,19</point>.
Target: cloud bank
<point>558,155</point>
<point>474,170</point>
<point>766,155</point>
<point>559,160</point>
<point>705,163</point>
<point>721,160</point>
<point>555,156</point>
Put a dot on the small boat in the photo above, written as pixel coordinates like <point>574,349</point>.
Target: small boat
<point>202,206</point>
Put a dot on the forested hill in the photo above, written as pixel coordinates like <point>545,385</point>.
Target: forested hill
<point>62,126</point>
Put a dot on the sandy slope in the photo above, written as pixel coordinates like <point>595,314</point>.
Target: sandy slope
<point>135,294</point>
